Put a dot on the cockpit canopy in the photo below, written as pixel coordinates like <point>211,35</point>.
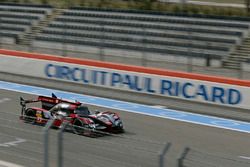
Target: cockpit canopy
<point>82,110</point>
<point>67,109</point>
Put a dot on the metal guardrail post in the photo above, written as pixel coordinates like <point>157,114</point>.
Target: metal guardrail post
<point>183,156</point>
<point>0,33</point>
<point>190,54</point>
<point>64,42</point>
<point>163,153</point>
<point>102,41</point>
<point>240,71</point>
<point>144,45</point>
<point>46,142</point>
<point>60,144</point>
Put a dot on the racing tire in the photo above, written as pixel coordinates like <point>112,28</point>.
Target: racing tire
<point>78,127</point>
<point>30,115</point>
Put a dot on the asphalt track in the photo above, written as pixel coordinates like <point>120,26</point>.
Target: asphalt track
<point>145,137</point>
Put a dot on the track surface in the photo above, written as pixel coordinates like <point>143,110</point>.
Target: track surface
<point>144,138</point>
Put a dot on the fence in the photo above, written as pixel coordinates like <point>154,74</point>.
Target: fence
<point>25,144</point>
<point>115,160</point>
<point>196,158</point>
<point>21,145</point>
<point>188,65</point>
<point>28,145</point>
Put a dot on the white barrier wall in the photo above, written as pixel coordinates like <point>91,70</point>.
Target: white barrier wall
<point>169,86</point>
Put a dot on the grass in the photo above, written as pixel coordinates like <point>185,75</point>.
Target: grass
<point>223,1</point>
<point>145,5</point>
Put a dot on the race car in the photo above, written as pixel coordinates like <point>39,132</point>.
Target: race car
<point>78,116</point>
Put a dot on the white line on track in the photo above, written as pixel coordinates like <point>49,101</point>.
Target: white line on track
<point>244,157</point>
<point>8,164</point>
<point>13,143</point>
<point>4,100</point>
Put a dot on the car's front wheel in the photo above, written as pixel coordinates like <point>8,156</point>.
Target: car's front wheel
<point>78,127</point>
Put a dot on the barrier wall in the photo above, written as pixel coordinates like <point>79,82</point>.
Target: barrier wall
<point>179,90</point>
<point>185,86</point>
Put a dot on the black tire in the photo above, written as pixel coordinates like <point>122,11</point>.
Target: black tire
<point>78,127</point>
<point>30,115</point>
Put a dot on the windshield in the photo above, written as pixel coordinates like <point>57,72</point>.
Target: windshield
<point>67,111</point>
<point>106,118</point>
<point>62,108</point>
<point>82,110</point>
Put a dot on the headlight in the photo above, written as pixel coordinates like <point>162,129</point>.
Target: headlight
<point>121,125</point>
<point>118,123</point>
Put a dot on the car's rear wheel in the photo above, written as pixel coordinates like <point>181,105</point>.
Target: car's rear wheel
<point>30,115</point>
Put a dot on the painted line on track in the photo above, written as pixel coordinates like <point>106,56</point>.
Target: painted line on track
<point>133,107</point>
<point>4,100</point>
<point>8,164</point>
<point>244,157</point>
<point>13,143</point>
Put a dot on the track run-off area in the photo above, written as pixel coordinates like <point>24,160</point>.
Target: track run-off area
<point>148,129</point>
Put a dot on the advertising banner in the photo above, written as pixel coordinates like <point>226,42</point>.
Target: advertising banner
<point>192,88</point>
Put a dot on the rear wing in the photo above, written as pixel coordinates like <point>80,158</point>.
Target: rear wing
<point>24,102</point>
<point>52,99</point>
<point>47,102</point>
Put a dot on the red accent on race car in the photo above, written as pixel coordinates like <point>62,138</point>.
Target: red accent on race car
<point>56,101</point>
<point>41,116</point>
<point>73,115</point>
<point>72,106</point>
<point>38,109</point>
<point>57,123</point>
<point>85,120</point>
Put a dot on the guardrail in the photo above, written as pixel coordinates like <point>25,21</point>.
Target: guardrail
<point>181,64</point>
<point>60,144</point>
<point>47,147</point>
<point>193,157</point>
<point>208,103</point>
